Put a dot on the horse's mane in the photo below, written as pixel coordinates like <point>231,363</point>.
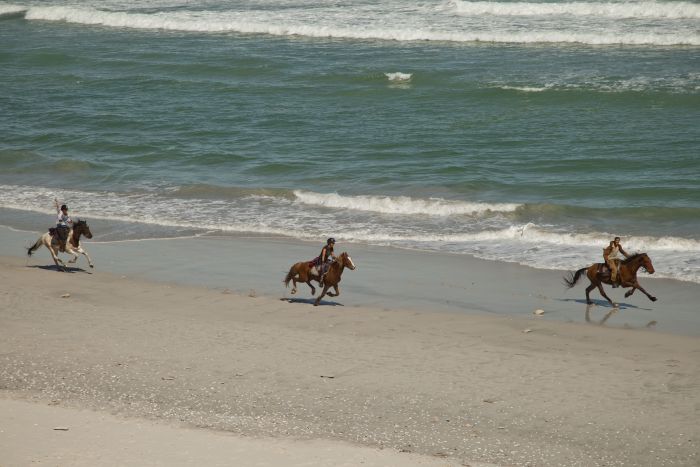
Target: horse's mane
<point>632,258</point>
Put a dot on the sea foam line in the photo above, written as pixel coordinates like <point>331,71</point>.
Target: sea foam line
<point>401,204</point>
<point>217,22</point>
<point>668,10</point>
<point>291,219</point>
<point>11,10</point>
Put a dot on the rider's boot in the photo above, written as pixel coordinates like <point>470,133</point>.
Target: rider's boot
<point>614,281</point>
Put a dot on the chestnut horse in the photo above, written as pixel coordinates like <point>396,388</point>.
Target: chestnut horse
<point>80,227</point>
<point>627,273</point>
<point>301,272</point>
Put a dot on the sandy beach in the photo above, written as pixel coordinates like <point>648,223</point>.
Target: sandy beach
<point>262,376</point>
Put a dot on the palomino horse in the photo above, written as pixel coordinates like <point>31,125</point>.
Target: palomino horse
<point>301,272</point>
<point>73,247</point>
<point>627,273</point>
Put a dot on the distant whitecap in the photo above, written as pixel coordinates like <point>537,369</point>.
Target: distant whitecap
<point>399,77</point>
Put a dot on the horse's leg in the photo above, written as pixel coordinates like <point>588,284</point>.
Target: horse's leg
<point>602,292</point>
<point>87,257</point>
<point>71,251</point>
<point>313,289</point>
<point>637,286</point>
<point>294,285</point>
<point>589,289</point>
<point>630,292</point>
<point>323,293</point>
<point>337,291</point>
<point>59,267</point>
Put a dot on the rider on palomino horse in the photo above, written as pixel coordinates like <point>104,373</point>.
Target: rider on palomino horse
<point>322,262</point>
<point>611,255</point>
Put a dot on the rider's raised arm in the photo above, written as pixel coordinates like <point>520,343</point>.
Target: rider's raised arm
<point>623,252</point>
<point>55,201</point>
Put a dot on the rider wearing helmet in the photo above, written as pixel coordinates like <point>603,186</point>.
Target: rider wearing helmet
<point>63,224</point>
<point>325,258</point>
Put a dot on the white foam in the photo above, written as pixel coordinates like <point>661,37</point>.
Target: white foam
<point>401,204</point>
<point>401,29</point>
<point>668,10</point>
<point>412,224</point>
<point>523,88</point>
<point>9,9</point>
<point>398,76</point>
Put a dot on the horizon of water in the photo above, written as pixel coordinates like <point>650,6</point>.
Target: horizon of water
<point>528,132</point>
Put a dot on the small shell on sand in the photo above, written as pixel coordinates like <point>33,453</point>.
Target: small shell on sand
<point>65,295</point>
<point>538,312</point>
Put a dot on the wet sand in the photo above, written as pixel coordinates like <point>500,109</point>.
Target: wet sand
<point>499,386</point>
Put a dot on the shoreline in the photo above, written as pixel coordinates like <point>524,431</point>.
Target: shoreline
<point>386,278</point>
<point>465,387</point>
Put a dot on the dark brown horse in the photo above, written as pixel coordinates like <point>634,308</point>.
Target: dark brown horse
<point>301,272</point>
<point>73,247</point>
<point>598,274</point>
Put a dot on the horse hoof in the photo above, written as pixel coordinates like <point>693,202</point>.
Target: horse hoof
<point>92,266</point>
<point>653,299</point>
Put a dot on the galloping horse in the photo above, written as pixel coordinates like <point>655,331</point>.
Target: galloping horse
<point>301,272</point>
<point>627,273</point>
<point>73,247</point>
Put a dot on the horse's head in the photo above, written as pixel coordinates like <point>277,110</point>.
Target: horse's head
<point>345,260</point>
<point>640,260</point>
<point>82,228</point>
<point>646,263</point>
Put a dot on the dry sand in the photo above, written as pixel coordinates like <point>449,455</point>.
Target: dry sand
<point>459,388</point>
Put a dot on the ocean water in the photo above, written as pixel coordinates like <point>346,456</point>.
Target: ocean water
<point>528,132</point>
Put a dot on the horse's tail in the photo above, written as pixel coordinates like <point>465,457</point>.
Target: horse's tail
<point>571,279</point>
<point>34,247</point>
<point>289,276</point>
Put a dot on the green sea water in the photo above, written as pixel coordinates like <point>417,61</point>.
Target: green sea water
<point>364,121</point>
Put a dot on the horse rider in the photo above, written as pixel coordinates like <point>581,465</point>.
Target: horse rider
<point>325,258</point>
<point>611,255</point>
<point>63,224</point>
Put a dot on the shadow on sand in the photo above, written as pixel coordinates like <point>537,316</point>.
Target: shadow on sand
<point>604,304</point>
<point>310,301</point>
<point>52,267</point>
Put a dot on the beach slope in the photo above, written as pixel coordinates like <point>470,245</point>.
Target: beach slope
<point>461,388</point>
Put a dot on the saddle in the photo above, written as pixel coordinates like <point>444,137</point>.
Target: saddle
<point>603,268</point>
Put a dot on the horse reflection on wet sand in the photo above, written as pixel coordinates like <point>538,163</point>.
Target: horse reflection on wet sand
<point>301,272</point>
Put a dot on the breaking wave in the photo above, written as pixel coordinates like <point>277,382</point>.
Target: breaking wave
<point>402,204</point>
<point>479,229</point>
<point>347,28</point>
<point>666,10</point>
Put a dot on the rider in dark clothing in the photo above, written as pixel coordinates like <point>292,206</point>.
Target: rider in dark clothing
<point>324,258</point>
<point>63,224</point>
